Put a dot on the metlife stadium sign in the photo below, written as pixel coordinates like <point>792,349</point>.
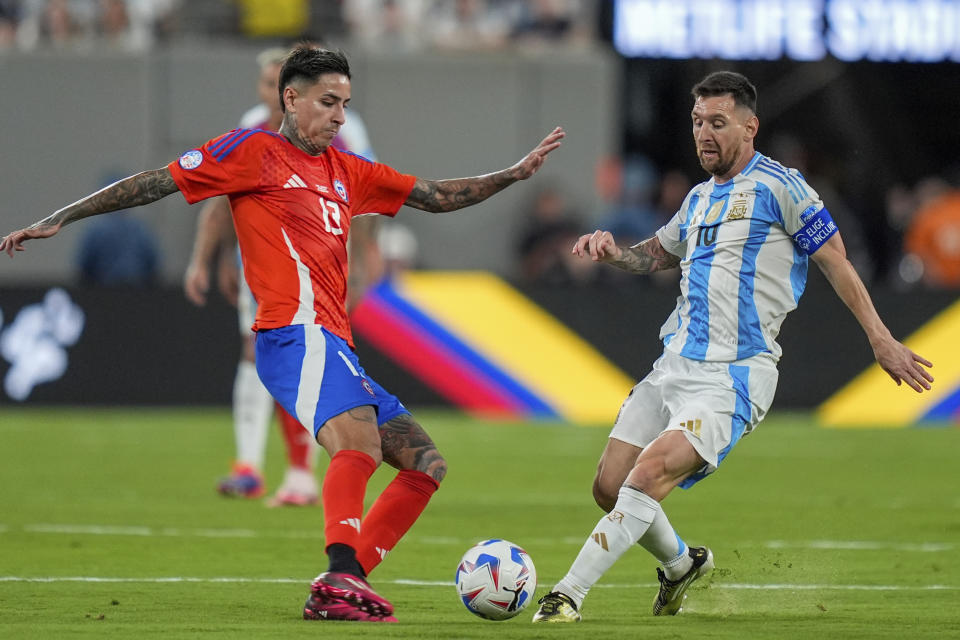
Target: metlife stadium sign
<point>876,30</point>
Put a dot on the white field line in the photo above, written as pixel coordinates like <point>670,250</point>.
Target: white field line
<point>444,583</point>
<point>861,545</point>
<point>160,532</point>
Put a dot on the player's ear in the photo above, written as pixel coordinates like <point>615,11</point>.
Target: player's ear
<point>289,97</point>
<point>750,127</point>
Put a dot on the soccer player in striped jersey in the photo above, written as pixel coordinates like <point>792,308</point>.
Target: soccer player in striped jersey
<point>293,196</point>
<point>742,240</point>
<point>252,404</point>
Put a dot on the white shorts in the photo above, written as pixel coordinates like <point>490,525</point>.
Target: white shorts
<point>713,403</point>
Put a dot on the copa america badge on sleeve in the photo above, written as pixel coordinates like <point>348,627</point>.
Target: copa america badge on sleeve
<point>191,159</point>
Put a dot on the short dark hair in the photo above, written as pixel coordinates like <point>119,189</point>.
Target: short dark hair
<point>721,83</point>
<point>309,63</point>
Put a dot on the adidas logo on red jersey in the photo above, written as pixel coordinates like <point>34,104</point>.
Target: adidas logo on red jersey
<point>295,182</point>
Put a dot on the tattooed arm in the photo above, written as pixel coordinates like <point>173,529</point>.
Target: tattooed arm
<point>142,188</point>
<point>645,257</point>
<point>439,196</point>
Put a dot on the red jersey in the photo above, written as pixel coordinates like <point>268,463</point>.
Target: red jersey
<point>292,214</point>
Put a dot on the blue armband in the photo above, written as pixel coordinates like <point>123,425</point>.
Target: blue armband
<point>817,228</point>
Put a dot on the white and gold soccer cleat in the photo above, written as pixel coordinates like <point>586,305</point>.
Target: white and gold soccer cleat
<point>669,600</point>
<point>556,607</point>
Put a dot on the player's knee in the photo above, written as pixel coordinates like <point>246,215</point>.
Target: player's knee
<point>354,430</point>
<point>433,464</point>
<point>248,350</point>
<point>645,472</point>
<point>653,478</point>
<point>605,496</point>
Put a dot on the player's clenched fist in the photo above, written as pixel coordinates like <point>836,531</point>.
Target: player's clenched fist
<point>599,244</point>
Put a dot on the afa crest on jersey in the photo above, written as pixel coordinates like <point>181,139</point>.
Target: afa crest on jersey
<point>738,210</point>
<point>340,189</point>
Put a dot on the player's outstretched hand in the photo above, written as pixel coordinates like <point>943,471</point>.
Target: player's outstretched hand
<point>228,277</point>
<point>14,241</point>
<point>903,365</point>
<point>196,283</point>
<point>532,162</point>
<point>600,245</point>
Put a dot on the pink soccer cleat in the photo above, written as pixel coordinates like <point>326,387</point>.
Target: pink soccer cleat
<point>320,607</point>
<point>244,481</point>
<point>299,489</point>
<point>352,590</point>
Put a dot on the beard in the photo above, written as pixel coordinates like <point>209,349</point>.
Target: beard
<point>719,166</point>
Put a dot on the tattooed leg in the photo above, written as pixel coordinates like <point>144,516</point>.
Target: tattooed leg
<point>406,445</point>
<point>355,429</point>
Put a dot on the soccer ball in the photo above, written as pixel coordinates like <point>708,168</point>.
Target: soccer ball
<point>496,579</point>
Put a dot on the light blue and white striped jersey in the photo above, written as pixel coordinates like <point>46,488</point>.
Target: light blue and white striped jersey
<point>743,247</point>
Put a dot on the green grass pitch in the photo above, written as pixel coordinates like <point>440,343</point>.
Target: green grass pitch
<point>110,528</point>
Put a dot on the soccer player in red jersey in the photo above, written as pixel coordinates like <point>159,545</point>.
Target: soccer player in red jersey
<point>293,196</point>
<point>252,403</point>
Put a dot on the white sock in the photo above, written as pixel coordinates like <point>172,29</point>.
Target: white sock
<point>314,453</point>
<point>300,481</point>
<point>252,409</point>
<point>666,546</point>
<point>614,534</point>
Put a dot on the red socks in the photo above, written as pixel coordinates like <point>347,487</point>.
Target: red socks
<point>344,486</point>
<point>392,515</point>
<point>297,438</point>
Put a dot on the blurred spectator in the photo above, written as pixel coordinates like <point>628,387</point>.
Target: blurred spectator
<point>928,190</point>
<point>626,187</point>
<point>550,22</point>
<point>902,204</point>
<point>114,20</point>
<point>57,24</point>
<point>932,240</point>
<point>546,242</point>
<point>135,25</point>
<point>62,23</point>
<point>130,25</point>
<point>788,149</point>
<point>466,24</point>
<point>115,26</point>
<point>392,25</point>
<point>387,25</point>
<point>638,201</point>
<point>398,247</point>
<point>118,250</point>
<point>673,188</point>
<point>9,18</point>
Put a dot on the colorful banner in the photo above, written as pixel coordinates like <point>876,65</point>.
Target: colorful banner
<point>488,349</point>
<point>872,399</point>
